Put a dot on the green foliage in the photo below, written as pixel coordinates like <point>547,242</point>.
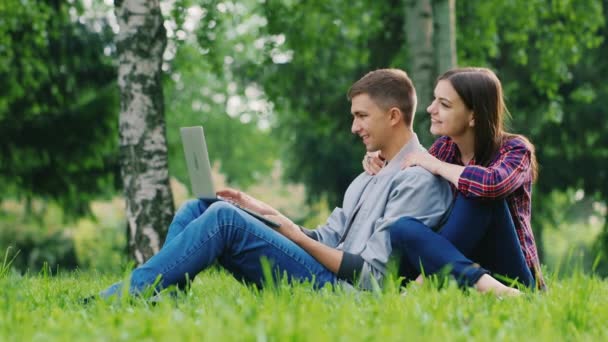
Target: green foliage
<point>572,224</point>
<point>58,105</point>
<point>100,242</point>
<point>201,88</point>
<point>270,77</point>
<point>549,54</point>
<point>548,57</point>
<point>38,237</point>
<point>36,244</point>
<point>316,50</point>
<point>551,59</point>
<point>545,37</point>
<point>220,308</point>
<point>196,95</point>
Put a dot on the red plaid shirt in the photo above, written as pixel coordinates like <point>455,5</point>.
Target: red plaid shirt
<point>508,176</point>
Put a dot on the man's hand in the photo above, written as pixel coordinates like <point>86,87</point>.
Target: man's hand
<point>246,201</point>
<point>372,163</point>
<point>287,228</point>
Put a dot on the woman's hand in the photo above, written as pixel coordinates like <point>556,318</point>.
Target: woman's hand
<point>372,164</point>
<point>246,201</point>
<point>423,159</point>
<point>450,172</point>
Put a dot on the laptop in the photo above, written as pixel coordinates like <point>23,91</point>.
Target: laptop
<point>199,170</point>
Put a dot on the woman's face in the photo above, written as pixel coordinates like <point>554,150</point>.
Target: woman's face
<point>449,115</point>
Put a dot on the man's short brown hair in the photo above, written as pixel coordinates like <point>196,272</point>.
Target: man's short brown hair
<point>388,88</point>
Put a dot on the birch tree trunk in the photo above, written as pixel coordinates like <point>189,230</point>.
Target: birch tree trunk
<point>419,38</point>
<point>444,37</point>
<point>143,147</point>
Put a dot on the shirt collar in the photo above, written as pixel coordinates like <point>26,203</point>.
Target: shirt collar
<point>394,165</point>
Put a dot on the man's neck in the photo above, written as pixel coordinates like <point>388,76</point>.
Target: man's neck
<point>396,143</point>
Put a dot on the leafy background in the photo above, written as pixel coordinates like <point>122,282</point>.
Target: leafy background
<point>268,79</point>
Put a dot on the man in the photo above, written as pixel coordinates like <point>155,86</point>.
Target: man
<point>352,247</point>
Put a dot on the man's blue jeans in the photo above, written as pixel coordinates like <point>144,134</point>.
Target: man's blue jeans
<point>201,234</point>
<point>479,230</point>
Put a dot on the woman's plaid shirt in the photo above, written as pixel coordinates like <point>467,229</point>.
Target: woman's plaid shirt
<point>508,176</point>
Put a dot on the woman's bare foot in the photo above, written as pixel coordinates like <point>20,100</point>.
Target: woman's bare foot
<point>487,283</point>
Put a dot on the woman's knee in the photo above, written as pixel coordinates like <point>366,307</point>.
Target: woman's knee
<point>407,231</point>
<point>478,204</point>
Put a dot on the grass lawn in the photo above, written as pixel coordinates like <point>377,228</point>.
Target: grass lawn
<point>47,308</point>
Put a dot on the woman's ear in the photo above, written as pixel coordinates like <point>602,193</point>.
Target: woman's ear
<point>472,120</point>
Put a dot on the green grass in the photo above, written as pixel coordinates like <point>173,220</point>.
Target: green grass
<point>46,308</point>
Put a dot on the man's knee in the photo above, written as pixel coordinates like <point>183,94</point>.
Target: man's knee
<point>192,207</point>
<point>221,208</point>
<point>191,204</point>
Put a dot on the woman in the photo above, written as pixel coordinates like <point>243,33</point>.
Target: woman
<point>491,172</point>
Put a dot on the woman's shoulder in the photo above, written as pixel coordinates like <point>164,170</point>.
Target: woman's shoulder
<point>442,142</point>
<point>443,148</point>
<point>516,142</point>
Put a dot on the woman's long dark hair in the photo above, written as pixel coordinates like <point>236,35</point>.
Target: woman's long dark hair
<point>481,92</point>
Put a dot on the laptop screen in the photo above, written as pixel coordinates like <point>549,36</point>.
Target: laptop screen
<point>197,160</point>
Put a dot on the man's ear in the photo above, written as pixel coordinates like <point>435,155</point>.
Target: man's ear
<point>395,116</point>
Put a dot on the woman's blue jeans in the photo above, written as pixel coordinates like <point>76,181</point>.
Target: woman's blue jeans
<point>479,230</point>
<point>200,234</point>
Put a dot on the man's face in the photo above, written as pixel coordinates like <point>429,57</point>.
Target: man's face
<point>370,122</point>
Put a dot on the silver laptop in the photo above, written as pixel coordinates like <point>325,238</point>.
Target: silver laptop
<point>199,169</point>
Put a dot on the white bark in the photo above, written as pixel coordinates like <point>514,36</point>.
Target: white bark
<point>444,16</point>
<point>421,66</point>
<point>419,35</point>
<point>144,165</point>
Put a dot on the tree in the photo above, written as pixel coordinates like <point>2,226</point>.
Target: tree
<point>203,64</point>
<point>316,51</point>
<point>143,146</point>
<point>420,48</point>
<point>430,27</point>
<point>58,106</point>
<point>581,132</point>
<point>444,35</point>
<point>546,54</point>
<point>332,45</point>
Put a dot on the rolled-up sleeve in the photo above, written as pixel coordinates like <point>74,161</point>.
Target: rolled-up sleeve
<point>502,177</point>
